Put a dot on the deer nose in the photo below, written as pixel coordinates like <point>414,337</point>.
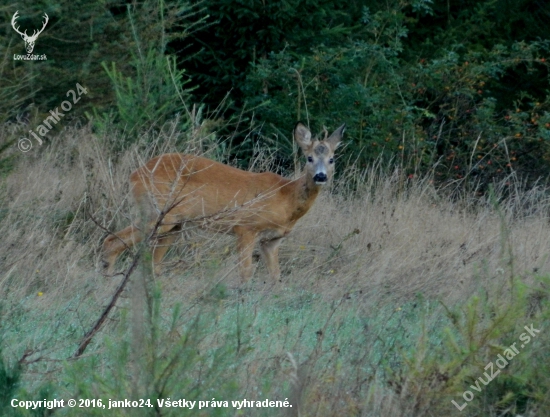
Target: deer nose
<point>320,177</point>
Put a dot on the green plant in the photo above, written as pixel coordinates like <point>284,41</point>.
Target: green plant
<point>154,91</point>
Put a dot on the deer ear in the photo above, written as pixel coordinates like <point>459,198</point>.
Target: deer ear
<point>302,136</point>
<point>336,136</point>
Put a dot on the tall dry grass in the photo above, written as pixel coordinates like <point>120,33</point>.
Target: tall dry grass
<point>373,239</point>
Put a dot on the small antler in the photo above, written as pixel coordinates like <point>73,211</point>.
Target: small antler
<point>325,131</point>
<point>13,19</point>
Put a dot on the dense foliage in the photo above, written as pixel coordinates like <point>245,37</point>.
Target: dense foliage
<point>459,89</point>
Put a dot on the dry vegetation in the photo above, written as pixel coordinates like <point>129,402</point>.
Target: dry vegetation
<point>394,296</point>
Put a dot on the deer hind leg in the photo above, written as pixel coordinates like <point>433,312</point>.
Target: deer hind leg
<point>115,244</point>
<point>245,245</point>
<point>270,254</point>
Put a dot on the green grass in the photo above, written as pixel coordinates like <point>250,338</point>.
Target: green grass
<point>262,343</point>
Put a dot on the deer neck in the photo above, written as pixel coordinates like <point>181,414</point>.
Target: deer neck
<point>305,193</point>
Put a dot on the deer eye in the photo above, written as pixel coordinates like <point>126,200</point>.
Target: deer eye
<point>309,159</point>
<point>331,161</point>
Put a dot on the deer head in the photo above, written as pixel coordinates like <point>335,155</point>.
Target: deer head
<point>319,153</point>
<point>29,40</point>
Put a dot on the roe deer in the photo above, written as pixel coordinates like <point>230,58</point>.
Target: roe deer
<point>178,188</point>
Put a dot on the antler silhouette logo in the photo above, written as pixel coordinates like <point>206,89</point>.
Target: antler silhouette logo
<point>29,40</point>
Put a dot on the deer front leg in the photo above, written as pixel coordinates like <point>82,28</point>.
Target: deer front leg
<point>161,246</point>
<point>270,254</point>
<point>115,244</point>
<point>245,245</point>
